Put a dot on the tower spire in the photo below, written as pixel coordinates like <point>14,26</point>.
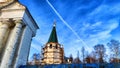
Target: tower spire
<point>53,35</point>
<point>54,24</point>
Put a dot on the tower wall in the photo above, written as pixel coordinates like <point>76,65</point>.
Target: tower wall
<point>53,54</point>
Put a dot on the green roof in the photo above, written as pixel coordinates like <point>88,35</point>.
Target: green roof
<point>53,35</point>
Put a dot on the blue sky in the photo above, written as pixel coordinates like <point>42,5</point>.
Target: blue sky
<point>79,22</point>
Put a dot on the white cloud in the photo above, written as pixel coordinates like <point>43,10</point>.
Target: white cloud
<point>104,34</point>
<point>88,26</point>
<point>101,35</point>
<point>97,24</point>
<point>113,24</point>
<point>99,9</point>
<point>115,8</point>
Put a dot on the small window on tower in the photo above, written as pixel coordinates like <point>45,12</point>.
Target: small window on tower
<point>50,45</point>
<point>56,47</point>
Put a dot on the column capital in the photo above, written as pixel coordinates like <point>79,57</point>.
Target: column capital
<point>19,21</point>
<point>9,22</point>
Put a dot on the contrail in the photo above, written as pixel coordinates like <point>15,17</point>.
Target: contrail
<point>65,22</point>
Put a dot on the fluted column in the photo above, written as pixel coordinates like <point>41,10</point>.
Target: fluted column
<point>11,45</point>
<point>5,24</point>
<point>3,29</point>
<point>0,23</point>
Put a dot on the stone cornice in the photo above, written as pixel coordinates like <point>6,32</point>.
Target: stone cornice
<point>7,3</point>
<point>9,6</point>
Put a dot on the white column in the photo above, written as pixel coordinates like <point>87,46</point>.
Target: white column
<point>11,45</point>
<point>24,48</point>
<point>0,23</point>
<point>4,29</point>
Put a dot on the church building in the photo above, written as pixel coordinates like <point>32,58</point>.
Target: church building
<point>52,51</point>
<point>17,28</point>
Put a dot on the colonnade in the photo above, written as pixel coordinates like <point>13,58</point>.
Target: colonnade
<point>10,33</point>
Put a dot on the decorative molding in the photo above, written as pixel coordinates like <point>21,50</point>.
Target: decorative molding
<point>9,22</point>
<point>17,3</point>
<point>6,3</point>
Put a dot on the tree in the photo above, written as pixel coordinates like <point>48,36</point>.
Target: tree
<point>36,56</point>
<point>77,59</point>
<point>114,60</point>
<point>114,46</point>
<point>83,53</point>
<point>100,52</point>
<point>35,59</point>
<point>90,59</point>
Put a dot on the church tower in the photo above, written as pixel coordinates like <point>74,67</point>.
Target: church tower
<point>17,27</point>
<point>53,52</point>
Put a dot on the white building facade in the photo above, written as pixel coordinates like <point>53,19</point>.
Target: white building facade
<point>17,27</point>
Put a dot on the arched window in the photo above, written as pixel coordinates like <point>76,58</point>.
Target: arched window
<point>50,45</point>
<point>56,46</point>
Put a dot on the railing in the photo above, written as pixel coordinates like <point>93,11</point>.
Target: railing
<point>104,65</point>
